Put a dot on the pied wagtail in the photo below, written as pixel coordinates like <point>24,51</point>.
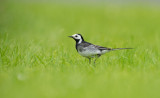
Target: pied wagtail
<point>89,50</point>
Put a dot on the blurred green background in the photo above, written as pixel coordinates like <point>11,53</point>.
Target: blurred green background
<point>38,60</point>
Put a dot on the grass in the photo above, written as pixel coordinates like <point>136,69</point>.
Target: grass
<point>38,60</point>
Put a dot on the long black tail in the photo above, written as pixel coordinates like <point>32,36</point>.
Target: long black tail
<point>120,48</point>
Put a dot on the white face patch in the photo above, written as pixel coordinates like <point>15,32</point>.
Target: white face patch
<point>77,37</point>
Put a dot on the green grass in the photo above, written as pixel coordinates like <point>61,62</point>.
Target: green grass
<point>38,60</point>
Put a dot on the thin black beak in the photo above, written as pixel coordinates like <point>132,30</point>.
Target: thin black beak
<point>70,36</point>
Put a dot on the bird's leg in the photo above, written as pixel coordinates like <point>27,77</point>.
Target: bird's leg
<point>95,61</point>
<point>89,60</point>
<point>96,58</point>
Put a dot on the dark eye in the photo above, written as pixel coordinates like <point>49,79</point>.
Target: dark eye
<point>76,36</point>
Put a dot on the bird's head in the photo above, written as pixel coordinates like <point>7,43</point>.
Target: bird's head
<point>78,38</point>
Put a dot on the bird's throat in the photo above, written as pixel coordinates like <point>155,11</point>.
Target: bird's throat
<point>78,41</point>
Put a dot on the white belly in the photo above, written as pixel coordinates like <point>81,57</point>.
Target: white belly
<point>91,53</point>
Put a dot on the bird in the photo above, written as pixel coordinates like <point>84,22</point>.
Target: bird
<point>90,50</point>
